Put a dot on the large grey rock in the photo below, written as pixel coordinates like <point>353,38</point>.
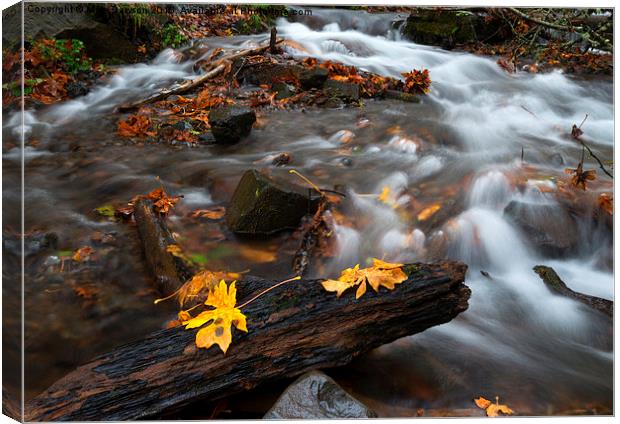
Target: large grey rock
<point>314,396</point>
<point>261,205</point>
<point>549,227</point>
<point>229,124</point>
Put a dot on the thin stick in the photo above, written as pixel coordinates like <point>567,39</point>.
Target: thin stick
<point>596,158</point>
<point>600,163</point>
<point>267,290</point>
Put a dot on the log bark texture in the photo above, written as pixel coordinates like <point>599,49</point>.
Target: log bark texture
<point>554,283</point>
<point>293,329</point>
<point>169,271</point>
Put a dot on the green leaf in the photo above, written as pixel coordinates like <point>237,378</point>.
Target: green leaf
<point>106,210</point>
<point>198,258</point>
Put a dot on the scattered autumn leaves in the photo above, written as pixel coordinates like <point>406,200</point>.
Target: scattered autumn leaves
<point>135,126</point>
<point>50,66</point>
<point>417,82</point>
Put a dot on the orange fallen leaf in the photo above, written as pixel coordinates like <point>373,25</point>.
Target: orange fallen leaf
<point>86,292</point>
<point>135,126</point>
<point>213,213</point>
<point>224,315</point>
<point>161,201</point>
<point>606,203</point>
<point>482,403</point>
<point>385,195</point>
<point>83,254</point>
<point>580,177</point>
<point>429,211</point>
<point>257,255</point>
<point>493,409</point>
<point>381,274</point>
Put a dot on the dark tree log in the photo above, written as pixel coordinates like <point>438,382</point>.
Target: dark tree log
<point>555,284</point>
<point>169,271</point>
<point>293,329</point>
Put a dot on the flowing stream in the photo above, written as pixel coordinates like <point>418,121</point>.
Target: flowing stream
<point>460,149</point>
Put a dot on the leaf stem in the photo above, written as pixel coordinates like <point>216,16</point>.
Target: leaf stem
<point>314,186</point>
<point>167,297</point>
<point>267,290</point>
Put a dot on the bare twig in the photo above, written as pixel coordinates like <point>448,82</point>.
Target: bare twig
<point>544,23</point>
<point>596,158</point>
<point>576,133</point>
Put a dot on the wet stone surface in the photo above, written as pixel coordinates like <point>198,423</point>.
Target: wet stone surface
<point>316,396</point>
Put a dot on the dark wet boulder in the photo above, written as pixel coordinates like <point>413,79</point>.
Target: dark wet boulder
<point>345,90</point>
<point>315,396</point>
<point>229,124</point>
<point>265,73</point>
<point>548,227</point>
<point>262,205</point>
<point>283,90</point>
<point>34,243</point>
<point>313,77</point>
<point>401,95</point>
<point>76,89</point>
<point>447,28</point>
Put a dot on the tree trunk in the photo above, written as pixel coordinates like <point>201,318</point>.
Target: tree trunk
<point>554,283</point>
<point>293,329</point>
<point>169,271</point>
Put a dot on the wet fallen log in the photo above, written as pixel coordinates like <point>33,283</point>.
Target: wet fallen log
<point>293,329</point>
<point>553,281</point>
<point>213,71</point>
<point>170,272</point>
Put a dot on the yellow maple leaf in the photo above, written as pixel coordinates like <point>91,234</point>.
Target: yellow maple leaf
<point>380,274</point>
<point>493,409</point>
<point>224,315</point>
<point>429,211</point>
<point>385,195</point>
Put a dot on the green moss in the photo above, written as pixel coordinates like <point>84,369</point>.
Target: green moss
<point>171,36</point>
<point>410,269</point>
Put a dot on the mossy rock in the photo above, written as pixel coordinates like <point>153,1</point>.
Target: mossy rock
<point>260,205</point>
<point>443,28</point>
<point>345,90</point>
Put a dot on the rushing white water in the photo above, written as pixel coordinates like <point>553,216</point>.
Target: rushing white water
<point>513,320</point>
<point>468,133</point>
